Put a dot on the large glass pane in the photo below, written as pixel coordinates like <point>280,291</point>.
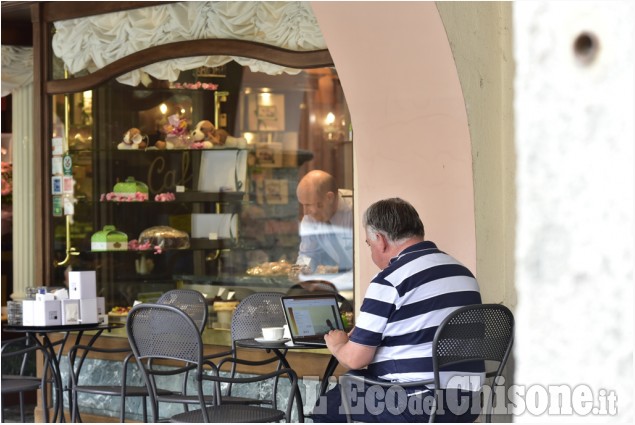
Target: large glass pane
<point>227,203</point>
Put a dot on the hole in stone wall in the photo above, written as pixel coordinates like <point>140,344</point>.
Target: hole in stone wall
<point>586,47</point>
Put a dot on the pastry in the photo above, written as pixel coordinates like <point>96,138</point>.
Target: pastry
<point>165,237</point>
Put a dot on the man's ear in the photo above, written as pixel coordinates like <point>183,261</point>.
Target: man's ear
<point>382,243</point>
<point>330,196</point>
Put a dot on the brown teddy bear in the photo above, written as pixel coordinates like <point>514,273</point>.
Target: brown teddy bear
<point>206,133</point>
<point>133,139</point>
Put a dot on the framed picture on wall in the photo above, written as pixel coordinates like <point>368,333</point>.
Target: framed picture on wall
<point>269,154</point>
<point>266,112</point>
<point>276,191</point>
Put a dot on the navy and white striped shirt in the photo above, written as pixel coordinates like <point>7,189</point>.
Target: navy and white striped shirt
<point>404,305</point>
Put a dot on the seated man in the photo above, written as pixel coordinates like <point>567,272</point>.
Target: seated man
<point>326,230</point>
<point>417,287</point>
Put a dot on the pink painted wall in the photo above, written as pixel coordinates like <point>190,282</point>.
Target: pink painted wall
<point>409,119</point>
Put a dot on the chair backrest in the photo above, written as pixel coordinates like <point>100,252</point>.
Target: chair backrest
<point>259,310</point>
<point>481,332</point>
<point>23,349</point>
<point>192,302</point>
<point>18,371</point>
<point>318,286</point>
<point>163,331</point>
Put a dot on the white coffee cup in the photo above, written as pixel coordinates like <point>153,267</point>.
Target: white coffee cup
<point>272,334</point>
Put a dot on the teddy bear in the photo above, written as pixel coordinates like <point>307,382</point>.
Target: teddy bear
<point>205,132</point>
<point>230,141</point>
<point>133,139</point>
<point>162,145</point>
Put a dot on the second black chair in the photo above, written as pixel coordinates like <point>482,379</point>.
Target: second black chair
<point>192,303</point>
<point>161,332</point>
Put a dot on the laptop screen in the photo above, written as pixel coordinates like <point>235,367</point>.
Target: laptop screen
<point>310,317</point>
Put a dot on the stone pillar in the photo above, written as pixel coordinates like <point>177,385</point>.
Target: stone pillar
<point>574,111</point>
<point>23,191</point>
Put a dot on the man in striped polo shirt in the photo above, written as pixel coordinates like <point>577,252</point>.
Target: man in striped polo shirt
<point>417,287</point>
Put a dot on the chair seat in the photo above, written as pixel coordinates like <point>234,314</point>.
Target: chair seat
<point>19,385</point>
<point>231,413</point>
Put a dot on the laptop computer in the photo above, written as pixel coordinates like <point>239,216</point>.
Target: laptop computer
<point>310,317</point>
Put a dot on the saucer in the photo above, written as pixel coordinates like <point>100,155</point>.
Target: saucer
<point>271,341</point>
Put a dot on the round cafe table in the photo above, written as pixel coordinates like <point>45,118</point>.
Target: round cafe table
<point>279,348</point>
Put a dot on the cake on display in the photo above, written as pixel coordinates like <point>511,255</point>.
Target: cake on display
<point>165,237</point>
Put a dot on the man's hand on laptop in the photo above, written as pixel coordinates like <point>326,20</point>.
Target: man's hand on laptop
<point>348,354</point>
<point>335,339</point>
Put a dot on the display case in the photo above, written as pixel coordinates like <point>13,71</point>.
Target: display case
<point>225,207</point>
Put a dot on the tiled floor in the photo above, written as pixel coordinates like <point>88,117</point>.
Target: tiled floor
<point>11,414</point>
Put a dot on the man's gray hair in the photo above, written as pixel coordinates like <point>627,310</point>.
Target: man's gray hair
<point>394,218</point>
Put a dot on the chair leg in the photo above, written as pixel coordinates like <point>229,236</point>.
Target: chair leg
<point>74,408</point>
<point>145,409</point>
<point>45,407</point>
<point>76,417</point>
<point>122,410</point>
<point>21,395</point>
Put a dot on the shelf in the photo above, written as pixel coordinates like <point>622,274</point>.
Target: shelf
<point>188,197</point>
<point>196,244</point>
<point>195,196</point>
<point>238,280</point>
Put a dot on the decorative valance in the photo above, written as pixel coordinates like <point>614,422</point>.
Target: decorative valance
<point>17,68</point>
<point>93,42</point>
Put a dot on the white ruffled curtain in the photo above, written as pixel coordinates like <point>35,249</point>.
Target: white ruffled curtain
<point>93,42</point>
<point>17,68</point>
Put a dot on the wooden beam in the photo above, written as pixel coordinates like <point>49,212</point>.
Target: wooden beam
<point>17,34</point>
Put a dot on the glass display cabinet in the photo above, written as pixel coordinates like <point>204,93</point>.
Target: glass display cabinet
<point>141,191</point>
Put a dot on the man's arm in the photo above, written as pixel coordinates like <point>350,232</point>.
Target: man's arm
<point>349,354</point>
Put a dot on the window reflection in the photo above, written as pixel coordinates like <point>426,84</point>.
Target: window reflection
<point>287,125</point>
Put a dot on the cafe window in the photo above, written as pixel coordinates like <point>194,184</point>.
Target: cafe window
<point>190,181</point>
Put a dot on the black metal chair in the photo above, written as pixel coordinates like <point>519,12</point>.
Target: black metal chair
<point>18,381</point>
<point>76,357</point>
<point>165,333</point>
<point>481,332</point>
<point>319,286</point>
<point>192,303</point>
<point>256,311</point>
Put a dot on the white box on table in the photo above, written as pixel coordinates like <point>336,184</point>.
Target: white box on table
<point>102,314</point>
<point>82,285</point>
<point>70,312</point>
<point>47,313</point>
<point>28,313</point>
<point>88,311</point>
<point>101,306</point>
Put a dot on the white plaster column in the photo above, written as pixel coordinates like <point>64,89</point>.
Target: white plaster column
<point>23,191</point>
<point>574,112</point>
